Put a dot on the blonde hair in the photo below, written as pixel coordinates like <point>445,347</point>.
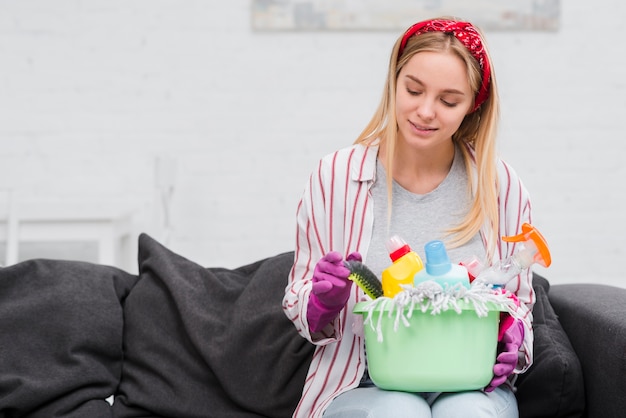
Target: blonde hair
<point>476,136</point>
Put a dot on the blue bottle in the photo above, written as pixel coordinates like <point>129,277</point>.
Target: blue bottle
<point>440,269</point>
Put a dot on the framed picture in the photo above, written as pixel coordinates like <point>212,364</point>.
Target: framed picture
<point>342,15</point>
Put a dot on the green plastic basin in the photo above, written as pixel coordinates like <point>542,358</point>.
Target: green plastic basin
<point>447,352</point>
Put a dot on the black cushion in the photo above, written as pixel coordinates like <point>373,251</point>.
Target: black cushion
<point>60,338</point>
<point>209,342</point>
<point>553,386</point>
<point>594,316</point>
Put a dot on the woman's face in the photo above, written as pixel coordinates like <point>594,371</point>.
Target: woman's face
<point>433,95</point>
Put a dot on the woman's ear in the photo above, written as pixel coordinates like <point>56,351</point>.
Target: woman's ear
<point>471,110</point>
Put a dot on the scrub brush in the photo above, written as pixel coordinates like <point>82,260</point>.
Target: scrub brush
<point>365,279</point>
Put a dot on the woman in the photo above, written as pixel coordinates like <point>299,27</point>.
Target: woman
<point>429,149</point>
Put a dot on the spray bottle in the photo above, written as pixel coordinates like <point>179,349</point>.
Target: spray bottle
<point>532,249</point>
<point>405,264</point>
<point>440,269</point>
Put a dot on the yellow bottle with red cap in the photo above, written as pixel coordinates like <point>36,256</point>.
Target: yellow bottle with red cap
<point>405,264</point>
<point>533,248</point>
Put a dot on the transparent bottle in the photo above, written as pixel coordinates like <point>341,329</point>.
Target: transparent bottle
<point>532,249</point>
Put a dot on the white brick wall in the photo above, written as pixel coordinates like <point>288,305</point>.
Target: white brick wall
<point>93,92</point>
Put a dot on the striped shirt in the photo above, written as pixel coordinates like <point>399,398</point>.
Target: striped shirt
<point>335,213</point>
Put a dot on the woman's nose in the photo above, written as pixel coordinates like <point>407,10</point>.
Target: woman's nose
<point>426,109</point>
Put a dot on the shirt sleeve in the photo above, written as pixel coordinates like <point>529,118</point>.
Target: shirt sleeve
<point>311,242</point>
<point>515,210</point>
<point>334,214</point>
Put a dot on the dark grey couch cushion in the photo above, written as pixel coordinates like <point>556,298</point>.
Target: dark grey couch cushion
<point>60,338</point>
<point>594,316</point>
<point>209,342</point>
<point>553,386</point>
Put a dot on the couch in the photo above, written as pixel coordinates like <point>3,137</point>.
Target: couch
<point>181,340</point>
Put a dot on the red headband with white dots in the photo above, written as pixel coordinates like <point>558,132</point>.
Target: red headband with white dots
<point>467,34</point>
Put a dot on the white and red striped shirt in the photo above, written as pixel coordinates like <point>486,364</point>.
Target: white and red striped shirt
<point>336,214</point>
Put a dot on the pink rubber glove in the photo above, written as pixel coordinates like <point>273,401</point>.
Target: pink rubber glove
<point>506,320</point>
<point>507,359</point>
<point>331,289</point>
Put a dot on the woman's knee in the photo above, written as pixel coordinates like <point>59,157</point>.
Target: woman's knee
<point>373,402</point>
<point>500,403</point>
<point>409,403</point>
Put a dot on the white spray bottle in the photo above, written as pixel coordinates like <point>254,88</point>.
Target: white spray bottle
<point>532,249</point>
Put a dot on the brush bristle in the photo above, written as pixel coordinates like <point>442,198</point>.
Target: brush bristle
<point>365,279</point>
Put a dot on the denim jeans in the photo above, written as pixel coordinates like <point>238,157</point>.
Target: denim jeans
<point>372,402</point>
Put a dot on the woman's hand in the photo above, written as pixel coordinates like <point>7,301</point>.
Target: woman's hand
<point>506,361</point>
<point>330,290</point>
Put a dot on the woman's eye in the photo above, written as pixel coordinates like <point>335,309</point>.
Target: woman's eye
<point>413,92</point>
<point>449,104</point>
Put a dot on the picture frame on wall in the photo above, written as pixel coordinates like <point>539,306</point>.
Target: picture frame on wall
<point>343,15</point>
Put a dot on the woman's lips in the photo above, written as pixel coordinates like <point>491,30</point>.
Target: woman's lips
<point>422,129</point>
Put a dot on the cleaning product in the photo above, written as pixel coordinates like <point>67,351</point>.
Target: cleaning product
<point>364,278</point>
<point>532,249</point>
<point>405,263</point>
<point>440,269</point>
<point>474,266</point>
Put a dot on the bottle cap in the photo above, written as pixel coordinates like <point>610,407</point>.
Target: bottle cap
<point>437,261</point>
<point>397,247</point>
<point>474,266</point>
<point>531,234</point>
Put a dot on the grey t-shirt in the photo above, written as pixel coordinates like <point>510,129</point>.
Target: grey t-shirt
<point>419,219</point>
